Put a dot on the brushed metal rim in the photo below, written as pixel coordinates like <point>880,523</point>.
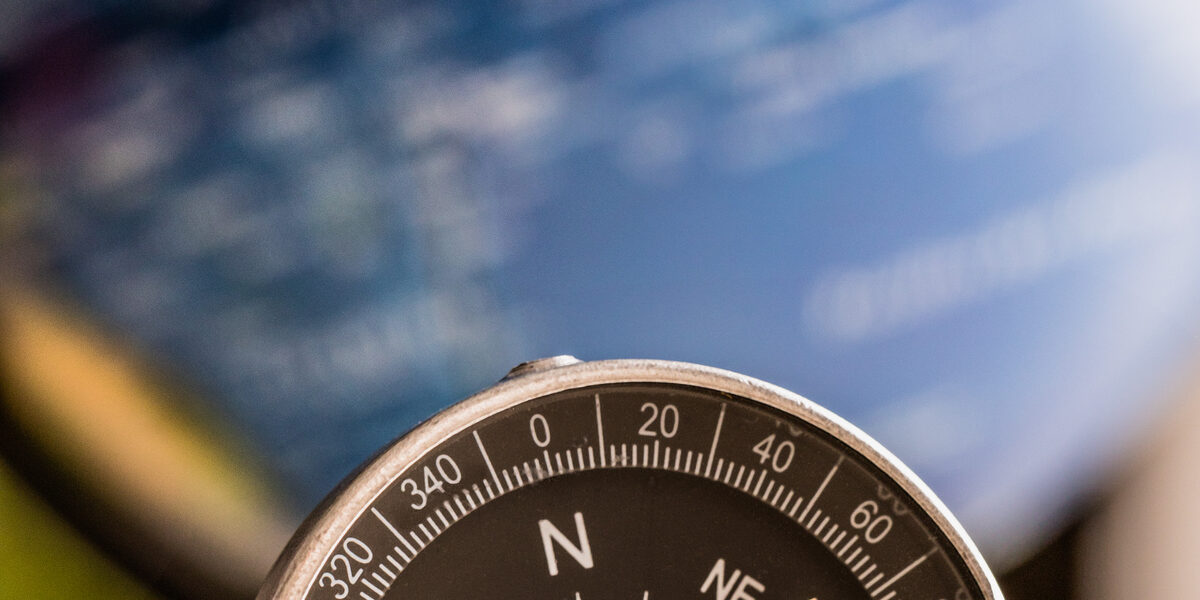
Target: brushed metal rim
<point>297,566</point>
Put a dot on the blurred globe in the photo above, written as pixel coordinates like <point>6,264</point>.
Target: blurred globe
<point>970,228</point>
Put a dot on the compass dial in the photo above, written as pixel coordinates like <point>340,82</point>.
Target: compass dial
<point>636,480</point>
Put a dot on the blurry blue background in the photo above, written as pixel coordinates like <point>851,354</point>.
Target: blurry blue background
<point>968,227</point>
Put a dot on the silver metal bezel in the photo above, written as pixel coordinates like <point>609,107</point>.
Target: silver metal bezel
<point>298,566</point>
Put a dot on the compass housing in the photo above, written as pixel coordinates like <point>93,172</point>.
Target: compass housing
<point>573,479</point>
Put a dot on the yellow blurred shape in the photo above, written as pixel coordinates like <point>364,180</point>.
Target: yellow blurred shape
<point>99,409</point>
<point>42,557</point>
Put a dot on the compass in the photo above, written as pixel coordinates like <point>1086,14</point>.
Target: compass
<point>632,480</point>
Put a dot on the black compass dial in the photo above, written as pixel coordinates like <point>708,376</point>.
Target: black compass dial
<point>640,544</point>
<point>632,491</point>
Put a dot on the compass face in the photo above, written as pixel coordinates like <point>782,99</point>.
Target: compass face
<point>632,480</point>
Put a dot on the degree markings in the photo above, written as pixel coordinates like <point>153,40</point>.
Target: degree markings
<point>821,527</point>
<point>380,578</point>
<point>758,485</point>
<point>407,545</point>
<point>749,480</point>
<point>849,543</point>
<point>767,492</point>
<point>874,580</point>
<point>385,522</point>
<point>863,569</point>
<point>813,520</point>
<point>791,513</point>
<point>861,562</point>
<point>745,479</point>
<point>813,500</point>
<point>396,564</point>
<point>487,460</point>
<point>828,534</point>
<point>819,524</point>
<point>712,450</point>
<point>600,430</point>
<point>914,564</point>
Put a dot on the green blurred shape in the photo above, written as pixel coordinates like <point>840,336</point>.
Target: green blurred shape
<point>41,556</point>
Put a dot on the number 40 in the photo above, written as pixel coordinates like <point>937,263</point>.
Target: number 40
<point>779,455</point>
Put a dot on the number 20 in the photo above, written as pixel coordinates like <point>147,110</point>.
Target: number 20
<point>667,421</point>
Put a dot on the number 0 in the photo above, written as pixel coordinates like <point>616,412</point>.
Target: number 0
<point>539,430</point>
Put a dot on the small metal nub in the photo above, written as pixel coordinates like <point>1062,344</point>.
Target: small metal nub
<point>541,364</point>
